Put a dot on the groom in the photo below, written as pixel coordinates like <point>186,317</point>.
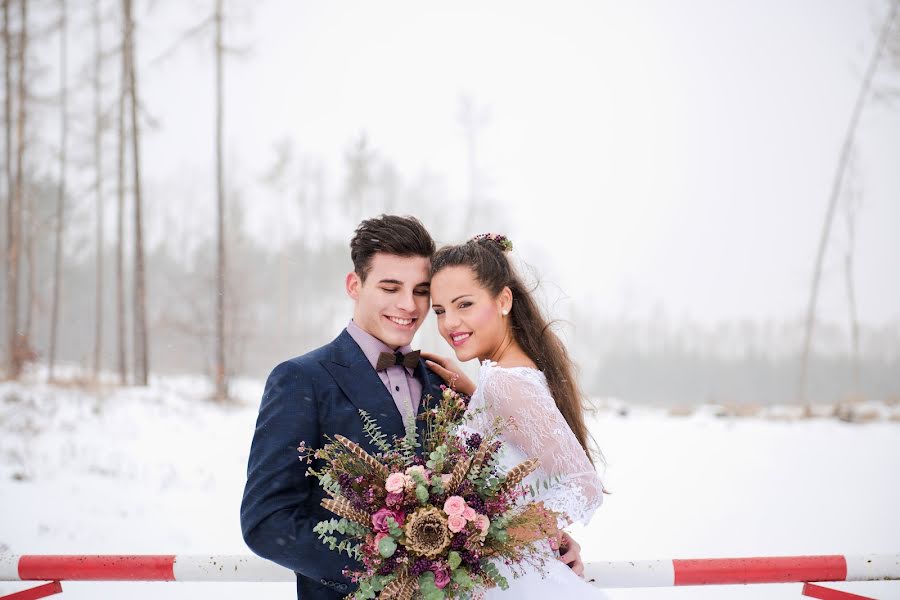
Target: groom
<point>369,366</point>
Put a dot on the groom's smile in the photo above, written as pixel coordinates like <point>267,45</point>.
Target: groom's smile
<point>402,322</point>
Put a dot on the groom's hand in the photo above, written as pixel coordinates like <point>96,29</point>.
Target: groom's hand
<point>450,372</point>
<point>570,553</point>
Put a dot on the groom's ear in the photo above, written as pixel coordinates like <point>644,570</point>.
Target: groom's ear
<point>352,284</point>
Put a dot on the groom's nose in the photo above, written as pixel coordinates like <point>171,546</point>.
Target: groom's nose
<point>405,301</point>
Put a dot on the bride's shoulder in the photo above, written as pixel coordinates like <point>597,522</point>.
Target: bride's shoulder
<point>504,381</point>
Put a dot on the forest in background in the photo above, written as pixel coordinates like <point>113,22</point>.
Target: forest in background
<point>155,298</point>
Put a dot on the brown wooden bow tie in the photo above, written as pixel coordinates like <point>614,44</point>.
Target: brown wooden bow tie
<point>386,360</point>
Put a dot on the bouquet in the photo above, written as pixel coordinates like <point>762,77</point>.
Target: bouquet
<point>429,525</point>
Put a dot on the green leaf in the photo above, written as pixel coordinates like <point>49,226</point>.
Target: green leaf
<point>394,528</point>
<point>426,582</point>
<point>462,579</point>
<point>366,591</point>
<point>422,494</point>
<point>453,559</point>
<point>491,569</point>
<point>374,433</point>
<point>387,546</point>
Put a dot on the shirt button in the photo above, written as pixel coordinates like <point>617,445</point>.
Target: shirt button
<point>397,387</point>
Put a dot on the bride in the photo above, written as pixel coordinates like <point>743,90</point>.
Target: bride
<point>484,311</point>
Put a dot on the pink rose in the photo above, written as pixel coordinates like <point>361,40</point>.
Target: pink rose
<point>418,469</point>
<point>456,523</point>
<point>441,578</point>
<point>394,499</point>
<point>469,514</point>
<point>379,519</point>
<point>455,505</point>
<point>395,482</point>
<point>483,523</point>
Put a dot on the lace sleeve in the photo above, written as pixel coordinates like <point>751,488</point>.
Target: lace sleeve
<point>541,431</point>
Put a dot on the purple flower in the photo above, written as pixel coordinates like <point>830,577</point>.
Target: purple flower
<point>441,578</point>
<point>420,566</point>
<point>379,519</point>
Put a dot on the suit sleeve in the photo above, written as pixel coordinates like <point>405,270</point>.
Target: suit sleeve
<point>276,517</point>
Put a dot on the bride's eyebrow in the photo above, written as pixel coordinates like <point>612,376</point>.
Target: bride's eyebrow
<point>458,297</point>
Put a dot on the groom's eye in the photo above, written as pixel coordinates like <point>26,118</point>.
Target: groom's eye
<point>389,290</point>
<point>421,292</point>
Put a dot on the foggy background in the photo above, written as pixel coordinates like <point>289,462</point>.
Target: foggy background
<point>664,171</point>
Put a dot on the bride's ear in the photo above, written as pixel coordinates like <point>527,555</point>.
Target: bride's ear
<point>505,301</point>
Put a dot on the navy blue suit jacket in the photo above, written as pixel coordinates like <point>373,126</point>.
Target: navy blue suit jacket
<point>305,398</point>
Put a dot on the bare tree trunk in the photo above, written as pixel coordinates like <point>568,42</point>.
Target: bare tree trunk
<point>15,222</point>
<point>141,358</point>
<point>61,199</point>
<point>98,190</point>
<point>11,267</point>
<point>832,201</point>
<point>220,372</point>
<point>852,205</point>
<point>27,236</point>
<point>121,350</point>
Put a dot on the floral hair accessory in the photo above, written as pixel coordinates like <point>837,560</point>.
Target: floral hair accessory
<point>501,240</point>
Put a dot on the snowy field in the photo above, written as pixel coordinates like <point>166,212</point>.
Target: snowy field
<point>161,470</point>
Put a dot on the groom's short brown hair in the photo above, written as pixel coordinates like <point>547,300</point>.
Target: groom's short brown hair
<point>401,236</point>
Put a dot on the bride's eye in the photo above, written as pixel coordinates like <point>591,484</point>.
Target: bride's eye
<point>464,304</point>
<point>439,311</point>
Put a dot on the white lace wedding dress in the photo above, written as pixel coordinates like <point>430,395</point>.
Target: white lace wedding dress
<point>540,431</point>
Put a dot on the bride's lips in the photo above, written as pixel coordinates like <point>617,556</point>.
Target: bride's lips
<point>460,337</point>
<point>402,322</point>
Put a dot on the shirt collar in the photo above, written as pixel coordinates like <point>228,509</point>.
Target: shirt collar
<point>371,345</point>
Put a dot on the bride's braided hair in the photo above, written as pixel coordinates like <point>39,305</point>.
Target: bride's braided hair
<point>485,255</point>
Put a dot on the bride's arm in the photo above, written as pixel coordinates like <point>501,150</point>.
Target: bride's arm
<point>540,431</point>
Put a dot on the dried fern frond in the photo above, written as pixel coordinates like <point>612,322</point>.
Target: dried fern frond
<point>408,590</point>
<point>518,473</point>
<point>357,451</point>
<point>402,588</point>
<point>342,508</point>
<point>459,473</point>
<point>392,590</point>
<point>480,454</point>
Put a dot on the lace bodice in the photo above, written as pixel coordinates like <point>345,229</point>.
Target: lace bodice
<point>539,431</point>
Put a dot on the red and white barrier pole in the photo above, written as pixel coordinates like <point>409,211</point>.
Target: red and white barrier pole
<point>141,567</point>
<point>622,574</point>
<point>724,571</point>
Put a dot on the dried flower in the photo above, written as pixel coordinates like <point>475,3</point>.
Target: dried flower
<point>426,532</point>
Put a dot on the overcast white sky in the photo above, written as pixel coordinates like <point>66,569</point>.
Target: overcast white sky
<point>645,152</point>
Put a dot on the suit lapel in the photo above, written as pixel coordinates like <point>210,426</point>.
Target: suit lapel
<point>431,386</point>
<point>359,382</point>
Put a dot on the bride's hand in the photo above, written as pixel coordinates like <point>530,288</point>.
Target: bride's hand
<point>450,372</point>
<point>571,553</point>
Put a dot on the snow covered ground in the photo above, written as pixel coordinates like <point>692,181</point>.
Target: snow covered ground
<point>161,470</point>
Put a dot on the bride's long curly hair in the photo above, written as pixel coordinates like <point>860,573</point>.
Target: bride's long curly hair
<point>486,256</point>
